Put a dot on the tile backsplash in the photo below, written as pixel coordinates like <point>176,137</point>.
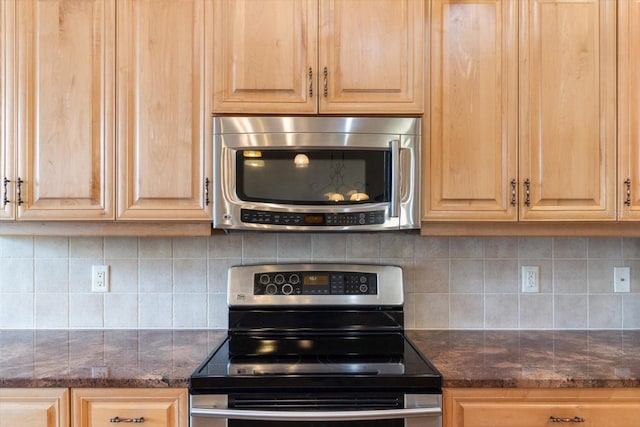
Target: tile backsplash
<point>180,283</point>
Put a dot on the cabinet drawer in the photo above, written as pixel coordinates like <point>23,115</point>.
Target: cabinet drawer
<point>34,407</point>
<point>539,414</point>
<point>103,407</point>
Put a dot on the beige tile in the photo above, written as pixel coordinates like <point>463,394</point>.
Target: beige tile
<point>52,275</point>
<point>189,311</point>
<point>16,246</point>
<point>570,276</point>
<point>189,247</point>
<point>259,245</point>
<point>466,311</point>
<point>218,273</point>
<point>16,276</point>
<point>156,275</point>
<point>467,276</point>
<point>569,247</point>
<point>121,247</point>
<point>601,275</point>
<point>431,311</point>
<point>86,247</point>
<point>228,245</point>
<point>605,247</point>
<point>397,245</point>
<point>121,310</point>
<point>361,246</point>
<point>631,311</point>
<point>190,275</point>
<point>86,311</point>
<point>536,311</point>
<point>124,275</point>
<point>431,276</point>
<point>293,247</point>
<point>331,246</point>
<point>80,270</point>
<point>570,311</point>
<point>535,247</point>
<point>605,311</point>
<point>631,247</point>
<point>17,311</point>
<point>52,311</point>
<point>155,247</point>
<point>155,310</point>
<point>466,247</point>
<point>218,313</point>
<point>501,311</point>
<point>501,276</point>
<point>51,247</point>
<point>431,247</point>
<point>501,247</point>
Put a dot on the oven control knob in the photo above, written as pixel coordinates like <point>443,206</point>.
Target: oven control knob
<point>264,279</point>
<point>287,289</point>
<point>271,289</point>
<point>279,279</point>
<point>364,288</point>
<point>363,279</point>
<point>294,279</point>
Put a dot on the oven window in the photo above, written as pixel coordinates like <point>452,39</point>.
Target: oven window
<point>371,423</point>
<point>314,177</point>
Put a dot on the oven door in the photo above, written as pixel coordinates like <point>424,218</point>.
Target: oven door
<point>423,410</point>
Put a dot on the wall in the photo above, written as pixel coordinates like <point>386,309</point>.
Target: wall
<point>449,282</point>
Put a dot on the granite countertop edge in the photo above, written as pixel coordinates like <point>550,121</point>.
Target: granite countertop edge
<point>466,358</point>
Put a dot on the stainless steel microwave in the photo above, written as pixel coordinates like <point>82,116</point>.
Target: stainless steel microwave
<point>316,173</point>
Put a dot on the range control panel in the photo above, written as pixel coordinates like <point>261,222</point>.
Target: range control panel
<point>315,283</point>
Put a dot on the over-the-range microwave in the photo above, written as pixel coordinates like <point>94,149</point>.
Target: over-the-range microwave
<point>316,173</point>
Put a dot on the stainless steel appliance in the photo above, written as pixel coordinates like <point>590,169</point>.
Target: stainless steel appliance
<point>316,173</point>
<point>316,345</point>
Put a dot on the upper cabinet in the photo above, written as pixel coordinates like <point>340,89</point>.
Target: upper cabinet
<point>568,110</point>
<point>57,82</point>
<point>523,111</point>
<point>319,56</point>
<point>164,126</point>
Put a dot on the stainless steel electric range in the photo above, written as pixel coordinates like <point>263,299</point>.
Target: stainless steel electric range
<point>316,345</point>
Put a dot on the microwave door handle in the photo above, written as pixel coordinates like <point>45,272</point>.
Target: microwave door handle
<point>394,205</point>
<point>385,414</point>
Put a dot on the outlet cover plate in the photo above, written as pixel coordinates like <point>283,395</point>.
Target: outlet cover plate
<point>530,279</point>
<point>621,279</point>
<point>100,278</point>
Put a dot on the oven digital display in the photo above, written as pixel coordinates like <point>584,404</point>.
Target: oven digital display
<point>315,279</point>
<point>314,219</point>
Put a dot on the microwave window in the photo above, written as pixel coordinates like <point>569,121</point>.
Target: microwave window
<point>313,177</point>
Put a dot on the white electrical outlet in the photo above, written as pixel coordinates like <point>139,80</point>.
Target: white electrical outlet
<point>621,279</point>
<point>530,281</point>
<point>100,278</point>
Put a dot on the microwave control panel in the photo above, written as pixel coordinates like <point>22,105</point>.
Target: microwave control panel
<point>312,219</point>
<point>315,283</point>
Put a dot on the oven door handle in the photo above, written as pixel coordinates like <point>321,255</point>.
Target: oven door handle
<point>385,414</point>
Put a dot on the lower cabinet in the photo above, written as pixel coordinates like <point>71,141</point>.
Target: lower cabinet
<point>468,407</point>
<point>20,407</point>
<point>102,407</point>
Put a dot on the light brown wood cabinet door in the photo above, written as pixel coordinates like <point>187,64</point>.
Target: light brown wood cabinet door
<point>265,56</point>
<point>7,33</point>
<point>64,77</point>
<point>539,407</point>
<point>629,109</point>
<point>34,407</point>
<point>568,110</point>
<point>163,111</point>
<point>372,56</point>
<point>470,152</point>
<point>153,407</point>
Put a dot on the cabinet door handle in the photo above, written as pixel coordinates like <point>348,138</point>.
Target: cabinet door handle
<point>565,420</point>
<point>514,187</point>
<point>627,183</point>
<point>5,191</point>
<point>206,191</point>
<point>310,82</point>
<point>527,192</point>
<point>325,73</point>
<point>19,182</point>
<point>126,420</point>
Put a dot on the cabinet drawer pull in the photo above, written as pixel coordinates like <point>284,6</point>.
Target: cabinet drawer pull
<point>565,420</point>
<point>207,182</point>
<point>19,182</point>
<point>5,193</point>
<point>627,183</point>
<point>325,73</point>
<point>527,192</point>
<point>126,420</point>
<point>310,82</point>
<point>514,188</point>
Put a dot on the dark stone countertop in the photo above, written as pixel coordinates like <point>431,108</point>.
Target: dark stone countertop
<point>166,358</point>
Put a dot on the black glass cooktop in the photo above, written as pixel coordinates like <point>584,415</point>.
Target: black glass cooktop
<point>382,360</point>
